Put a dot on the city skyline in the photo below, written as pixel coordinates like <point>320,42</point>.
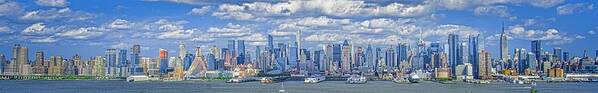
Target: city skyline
<point>67,28</point>
<point>261,46</point>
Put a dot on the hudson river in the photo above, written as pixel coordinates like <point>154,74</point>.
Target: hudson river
<point>32,86</point>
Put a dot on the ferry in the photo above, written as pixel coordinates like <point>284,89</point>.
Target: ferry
<point>315,79</point>
<point>137,78</point>
<point>401,80</point>
<point>414,78</point>
<point>266,80</point>
<point>356,79</point>
<point>238,80</point>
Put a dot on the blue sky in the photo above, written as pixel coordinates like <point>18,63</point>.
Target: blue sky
<point>88,27</point>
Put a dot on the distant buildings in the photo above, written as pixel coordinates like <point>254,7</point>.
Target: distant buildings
<point>454,59</point>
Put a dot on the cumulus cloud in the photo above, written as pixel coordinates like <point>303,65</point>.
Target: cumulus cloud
<point>120,24</point>
<point>256,37</point>
<point>5,29</point>
<point>501,11</point>
<point>54,13</point>
<point>177,1</point>
<point>49,39</point>
<point>177,34</point>
<point>445,30</point>
<point>339,8</point>
<point>83,33</point>
<point>591,32</point>
<point>53,3</point>
<point>37,27</point>
<point>325,37</point>
<point>280,33</point>
<point>9,7</point>
<point>200,11</point>
<point>573,8</point>
<point>231,30</point>
<point>545,3</point>
<point>552,36</point>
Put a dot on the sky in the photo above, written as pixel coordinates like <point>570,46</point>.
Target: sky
<point>89,27</point>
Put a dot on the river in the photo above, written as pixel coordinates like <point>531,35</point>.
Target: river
<point>34,86</point>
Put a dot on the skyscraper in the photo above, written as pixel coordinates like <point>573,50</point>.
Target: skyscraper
<point>39,66</point>
<point>435,52</point>
<point>336,56</point>
<point>187,61</point>
<point>558,53</point>
<point>474,55</point>
<point>401,53</point>
<point>136,68</point>
<point>485,65</point>
<point>122,63</point>
<point>232,48</point>
<point>537,50</point>
<point>163,56</point>
<point>20,55</point>
<point>504,48</point>
<point>346,58</point>
<point>298,40</point>
<point>182,51</point>
<point>241,52</point>
<point>369,57</point>
<point>454,53</point>
<point>293,56</point>
<point>111,61</point>
<point>212,62</point>
<point>270,45</point>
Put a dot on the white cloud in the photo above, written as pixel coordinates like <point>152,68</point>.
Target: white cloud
<point>204,38</point>
<point>445,30</point>
<point>501,11</point>
<point>9,7</point>
<point>54,13</point>
<point>545,3</point>
<point>37,27</point>
<point>339,8</point>
<point>231,30</point>
<point>281,33</point>
<point>177,34</point>
<point>83,33</point>
<point>580,37</point>
<point>53,3</point>
<point>178,1</point>
<point>325,37</point>
<point>591,32</point>
<point>552,36</point>
<point>5,29</point>
<point>573,8</point>
<point>50,39</point>
<point>256,37</point>
<point>200,11</point>
<point>121,45</point>
<point>120,24</point>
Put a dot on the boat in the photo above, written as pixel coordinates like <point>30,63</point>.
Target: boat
<point>315,79</point>
<point>414,78</point>
<point>238,80</point>
<point>137,78</point>
<point>266,80</point>
<point>401,80</point>
<point>356,79</point>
